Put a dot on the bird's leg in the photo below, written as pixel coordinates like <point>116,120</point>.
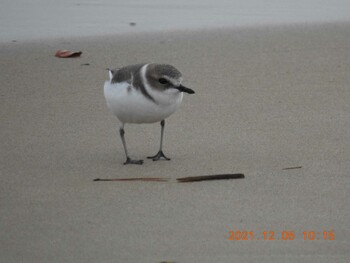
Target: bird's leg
<point>128,159</point>
<point>160,153</point>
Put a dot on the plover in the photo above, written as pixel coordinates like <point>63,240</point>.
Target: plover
<point>144,93</point>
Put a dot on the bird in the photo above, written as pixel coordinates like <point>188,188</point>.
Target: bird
<point>144,93</point>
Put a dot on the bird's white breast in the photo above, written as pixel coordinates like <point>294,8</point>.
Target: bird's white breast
<point>131,106</point>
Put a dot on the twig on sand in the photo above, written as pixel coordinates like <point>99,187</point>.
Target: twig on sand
<point>290,168</point>
<point>179,180</point>
<point>209,177</point>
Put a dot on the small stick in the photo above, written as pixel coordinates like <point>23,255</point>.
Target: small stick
<point>210,177</point>
<point>180,180</point>
<point>149,179</point>
<point>290,168</point>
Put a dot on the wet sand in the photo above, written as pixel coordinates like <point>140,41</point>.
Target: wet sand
<point>21,20</point>
<point>267,98</point>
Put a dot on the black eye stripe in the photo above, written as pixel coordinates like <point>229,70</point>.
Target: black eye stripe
<point>163,81</point>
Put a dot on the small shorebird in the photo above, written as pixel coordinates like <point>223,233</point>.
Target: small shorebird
<point>144,93</point>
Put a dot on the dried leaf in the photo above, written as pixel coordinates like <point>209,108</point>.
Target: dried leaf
<point>149,179</point>
<point>67,54</point>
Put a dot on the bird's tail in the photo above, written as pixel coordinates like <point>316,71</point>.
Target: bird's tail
<point>110,72</point>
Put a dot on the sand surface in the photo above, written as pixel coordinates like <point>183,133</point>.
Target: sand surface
<point>266,99</point>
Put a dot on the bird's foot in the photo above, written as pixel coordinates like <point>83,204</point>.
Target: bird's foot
<point>130,161</point>
<point>158,156</point>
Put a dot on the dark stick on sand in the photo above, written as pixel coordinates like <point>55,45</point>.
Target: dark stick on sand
<point>290,168</point>
<point>210,177</point>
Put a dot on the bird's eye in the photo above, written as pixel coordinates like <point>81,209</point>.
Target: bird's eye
<point>163,81</point>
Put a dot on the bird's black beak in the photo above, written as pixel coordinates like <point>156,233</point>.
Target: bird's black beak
<point>184,89</point>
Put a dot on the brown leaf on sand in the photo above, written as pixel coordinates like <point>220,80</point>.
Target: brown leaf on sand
<point>146,179</point>
<point>68,54</point>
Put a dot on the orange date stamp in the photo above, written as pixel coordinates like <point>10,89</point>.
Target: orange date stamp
<point>241,235</point>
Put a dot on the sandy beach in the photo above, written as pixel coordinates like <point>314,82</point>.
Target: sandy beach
<point>267,98</point>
